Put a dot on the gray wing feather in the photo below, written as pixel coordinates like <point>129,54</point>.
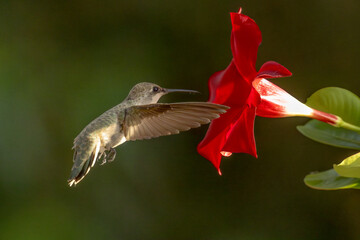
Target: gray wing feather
<point>155,120</point>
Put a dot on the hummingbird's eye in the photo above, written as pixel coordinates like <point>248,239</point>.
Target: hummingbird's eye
<point>155,89</point>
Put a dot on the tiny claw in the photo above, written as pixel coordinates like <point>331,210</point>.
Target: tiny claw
<point>219,172</point>
<point>112,155</point>
<point>104,159</point>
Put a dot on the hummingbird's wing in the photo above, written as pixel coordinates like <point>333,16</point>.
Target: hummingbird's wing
<point>154,120</point>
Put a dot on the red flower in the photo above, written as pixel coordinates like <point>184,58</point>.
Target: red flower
<point>275,103</point>
<point>246,92</point>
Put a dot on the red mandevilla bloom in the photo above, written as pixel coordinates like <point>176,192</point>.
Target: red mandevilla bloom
<point>247,93</point>
<point>275,103</point>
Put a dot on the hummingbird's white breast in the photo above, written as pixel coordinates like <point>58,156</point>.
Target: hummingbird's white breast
<point>111,136</point>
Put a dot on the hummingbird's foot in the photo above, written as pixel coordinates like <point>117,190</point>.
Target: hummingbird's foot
<point>104,158</point>
<point>112,154</point>
<point>109,157</point>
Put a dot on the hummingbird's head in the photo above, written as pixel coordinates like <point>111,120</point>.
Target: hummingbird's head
<point>148,93</point>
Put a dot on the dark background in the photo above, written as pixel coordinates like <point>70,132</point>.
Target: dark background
<point>63,63</point>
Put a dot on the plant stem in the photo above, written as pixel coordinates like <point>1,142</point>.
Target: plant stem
<point>349,126</point>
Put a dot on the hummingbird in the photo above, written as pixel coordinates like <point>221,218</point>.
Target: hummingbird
<point>137,117</point>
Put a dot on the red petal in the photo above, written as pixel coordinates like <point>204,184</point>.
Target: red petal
<point>232,132</point>
<point>273,69</point>
<point>245,40</point>
<point>216,137</point>
<point>229,88</point>
<point>241,136</point>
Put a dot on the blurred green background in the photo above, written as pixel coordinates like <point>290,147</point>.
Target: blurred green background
<point>63,63</point>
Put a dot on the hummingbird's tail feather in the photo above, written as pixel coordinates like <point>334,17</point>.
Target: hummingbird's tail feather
<point>85,157</point>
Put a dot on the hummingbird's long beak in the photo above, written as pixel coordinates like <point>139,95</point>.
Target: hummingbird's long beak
<point>166,90</point>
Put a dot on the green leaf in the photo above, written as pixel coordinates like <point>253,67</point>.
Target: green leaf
<point>342,103</point>
<point>338,101</point>
<point>327,134</point>
<point>350,167</point>
<point>330,180</point>
<point>346,105</point>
